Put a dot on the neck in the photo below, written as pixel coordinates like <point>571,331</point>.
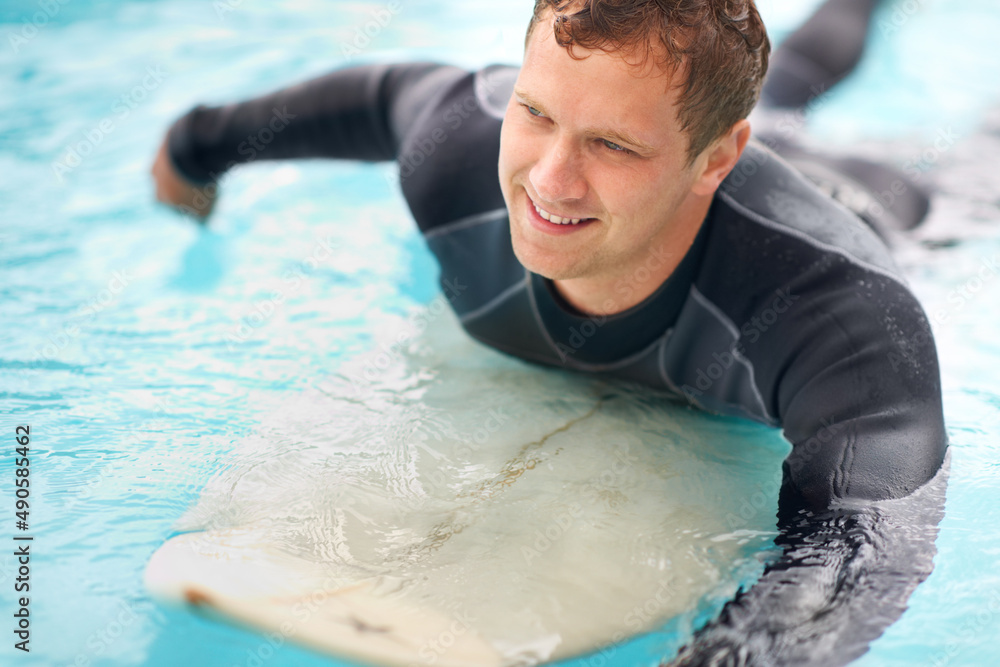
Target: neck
<point>628,286</point>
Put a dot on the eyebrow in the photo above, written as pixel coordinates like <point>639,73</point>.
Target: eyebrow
<point>616,136</point>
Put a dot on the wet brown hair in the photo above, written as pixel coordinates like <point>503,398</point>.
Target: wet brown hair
<point>721,47</point>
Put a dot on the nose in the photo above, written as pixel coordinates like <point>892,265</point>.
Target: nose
<point>558,174</point>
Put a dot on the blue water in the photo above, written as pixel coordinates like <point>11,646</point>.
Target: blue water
<point>140,347</point>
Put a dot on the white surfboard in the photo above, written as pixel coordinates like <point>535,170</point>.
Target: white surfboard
<point>439,503</point>
<point>239,576</point>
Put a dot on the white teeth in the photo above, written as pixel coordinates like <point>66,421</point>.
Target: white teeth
<point>555,219</point>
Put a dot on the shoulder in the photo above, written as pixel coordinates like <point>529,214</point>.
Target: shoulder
<point>772,197</point>
<point>448,157</point>
<point>771,231</point>
<point>808,293</point>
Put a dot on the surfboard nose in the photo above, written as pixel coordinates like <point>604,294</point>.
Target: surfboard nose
<point>241,577</point>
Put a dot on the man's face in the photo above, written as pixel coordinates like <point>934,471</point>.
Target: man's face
<point>595,139</point>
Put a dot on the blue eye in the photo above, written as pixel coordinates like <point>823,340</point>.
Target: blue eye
<point>533,111</point>
<point>615,147</point>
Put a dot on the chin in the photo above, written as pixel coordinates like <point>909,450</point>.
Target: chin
<point>529,260</point>
<point>542,263</point>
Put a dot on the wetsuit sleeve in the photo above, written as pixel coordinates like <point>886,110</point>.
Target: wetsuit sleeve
<point>859,394</point>
<point>844,576</point>
<point>358,113</point>
<point>842,356</point>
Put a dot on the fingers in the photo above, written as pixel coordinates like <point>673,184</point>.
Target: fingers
<point>176,191</point>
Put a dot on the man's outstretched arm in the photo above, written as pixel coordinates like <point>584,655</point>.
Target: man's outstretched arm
<point>852,372</point>
<point>359,113</point>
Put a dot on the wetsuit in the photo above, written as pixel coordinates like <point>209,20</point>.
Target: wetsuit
<point>787,309</point>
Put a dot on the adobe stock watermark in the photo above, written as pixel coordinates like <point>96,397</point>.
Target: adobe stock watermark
<point>114,471</point>
<point>902,12</point>
<point>764,499</point>
<point>223,7</point>
<point>121,109</point>
<point>625,288</point>
<point>986,272</point>
<point>494,421</point>
<point>751,331</point>
<point>546,538</point>
<point>971,630</point>
<point>638,619</point>
<point>293,279</point>
<point>412,157</point>
<point>602,657</point>
<point>788,124</point>
<point>388,352</point>
<point>266,649</point>
<point>31,26</point>
<point>251,147</point>
<point>804,452</point>
<point>89,309</point>
<point>793,120</point>
<point>301,612</point>
<point>914,168</point>
<point>745,169</point>
<point>381,17</point>
<point>907,350</point>
<point>436,647</point>
<point>101,641</point>
<point>562,522</point>
<point>642,616</point>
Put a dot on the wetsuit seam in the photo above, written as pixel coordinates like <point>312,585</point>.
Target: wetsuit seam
<point>533,302</point>
<point>619,363</point>
<point>490,305</point>
<point>583,365</point>
<point>513,351</point>
<point>735,333</point>
<point>816,243</point>
<point>851,439</point>
<point>841,477</point>
<point>714,310</point>
<point>662,365</point>
<point>771,421</point>
<point>465,223</point>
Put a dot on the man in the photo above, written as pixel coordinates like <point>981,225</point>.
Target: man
<point>635,232</point>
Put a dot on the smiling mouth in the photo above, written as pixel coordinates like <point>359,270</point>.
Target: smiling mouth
<point>555,219</point>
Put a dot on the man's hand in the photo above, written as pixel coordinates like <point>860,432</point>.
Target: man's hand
<point>175,190</point>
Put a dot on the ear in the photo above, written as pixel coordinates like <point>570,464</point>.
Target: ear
<point>720,158</point>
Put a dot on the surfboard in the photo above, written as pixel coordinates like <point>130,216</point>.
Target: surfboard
<point>237,575</point>
<point>436,502</point>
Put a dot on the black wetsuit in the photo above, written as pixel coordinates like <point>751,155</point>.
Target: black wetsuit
<point>787,309</point>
